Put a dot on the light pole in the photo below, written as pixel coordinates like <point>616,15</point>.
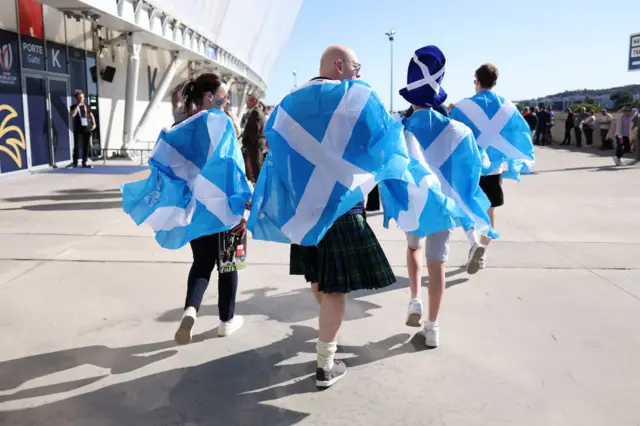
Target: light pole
<point>295,79</point>
<point>391,34</point>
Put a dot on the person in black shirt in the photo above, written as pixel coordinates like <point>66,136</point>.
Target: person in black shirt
<point>568,127</point>
<point>83,124</point>
<point>531,119</point>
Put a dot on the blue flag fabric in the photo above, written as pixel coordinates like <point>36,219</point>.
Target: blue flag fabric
<point>197,185</point>
<point>330,143</point>
<point>501,132</point>
<point>450,150</point>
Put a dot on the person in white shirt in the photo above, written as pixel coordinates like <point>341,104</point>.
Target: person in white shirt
<point>604,121</point>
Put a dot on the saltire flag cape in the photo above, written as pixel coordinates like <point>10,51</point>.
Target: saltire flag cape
<point>451,153</point>
<point>500,130</point>
<point>330,143</point>
<point>197,185</point>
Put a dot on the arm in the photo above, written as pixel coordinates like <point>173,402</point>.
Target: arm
<point>93,122</point>
<point>618,127</point>
<point>74,110</point>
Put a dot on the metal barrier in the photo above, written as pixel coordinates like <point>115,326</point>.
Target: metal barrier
<point>122,153</point>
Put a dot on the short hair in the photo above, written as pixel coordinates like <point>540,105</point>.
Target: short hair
<point>487,75</point>
<point>78,92</point>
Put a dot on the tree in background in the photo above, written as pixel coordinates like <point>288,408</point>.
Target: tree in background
<point>593,105</point>
<point>622,99</point>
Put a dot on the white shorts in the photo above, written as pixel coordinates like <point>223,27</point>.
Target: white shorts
<point>437,245</point>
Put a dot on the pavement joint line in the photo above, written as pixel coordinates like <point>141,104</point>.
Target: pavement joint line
<point>23,273</point>
<point>614,284</point>
<point>183,262</point>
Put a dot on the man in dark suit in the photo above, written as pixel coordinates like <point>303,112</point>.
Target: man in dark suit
<point>253,140</point>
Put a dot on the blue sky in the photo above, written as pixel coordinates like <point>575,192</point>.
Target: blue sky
<point>541,47</point>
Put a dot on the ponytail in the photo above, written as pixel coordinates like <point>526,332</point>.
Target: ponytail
<point>194,90</point>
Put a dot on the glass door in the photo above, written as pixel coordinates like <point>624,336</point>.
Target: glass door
<point>60,119</point>
<point>36,91</point>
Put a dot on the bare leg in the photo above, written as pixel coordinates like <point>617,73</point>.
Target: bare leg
<point>414,265</point>
<point>436,287</point>
<point>316,293</point>
<point>484,239</point>
<point>331,316</point>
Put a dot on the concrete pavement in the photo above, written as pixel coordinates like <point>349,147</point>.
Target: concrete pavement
<point>547,335</point>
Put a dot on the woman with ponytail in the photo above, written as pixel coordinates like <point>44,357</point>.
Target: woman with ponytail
<point>208,92</point>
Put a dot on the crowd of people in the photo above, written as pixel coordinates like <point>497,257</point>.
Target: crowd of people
<point>349,256</point>
<point>584,124</point>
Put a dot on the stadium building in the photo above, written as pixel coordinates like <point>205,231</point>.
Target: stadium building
<point>125,55</point>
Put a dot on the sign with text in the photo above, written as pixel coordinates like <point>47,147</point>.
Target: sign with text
<point>56,58</point>
<point>634,52</point>
<point>13,145</point>
<point>33,53</point>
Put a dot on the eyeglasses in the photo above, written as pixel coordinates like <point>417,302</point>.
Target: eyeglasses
<point>355,65</point>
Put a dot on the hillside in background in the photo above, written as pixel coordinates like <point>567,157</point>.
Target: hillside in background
<point>631,88</point>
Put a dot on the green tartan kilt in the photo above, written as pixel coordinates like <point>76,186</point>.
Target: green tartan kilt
<point>348,258</point>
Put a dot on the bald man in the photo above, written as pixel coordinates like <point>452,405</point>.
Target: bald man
<point>336,266</point>
<point>337,63</point>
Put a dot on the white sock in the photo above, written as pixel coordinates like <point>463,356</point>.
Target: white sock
<point>326,352</point>
<point>428,325</point>
<point>472,235</point>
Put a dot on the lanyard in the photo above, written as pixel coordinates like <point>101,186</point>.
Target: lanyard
<point>84,107</point>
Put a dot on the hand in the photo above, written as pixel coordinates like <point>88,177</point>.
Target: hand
<point>241,228</point>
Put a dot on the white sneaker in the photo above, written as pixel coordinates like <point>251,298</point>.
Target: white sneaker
<point>476,256</point>
<point>431,334</point>
<point>185,330</point>
<point>231,326</point>
<point>483,264</point>
<point>617,161</point>
<point>414,313</point>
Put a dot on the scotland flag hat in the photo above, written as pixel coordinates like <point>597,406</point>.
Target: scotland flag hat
<point>425,73</point>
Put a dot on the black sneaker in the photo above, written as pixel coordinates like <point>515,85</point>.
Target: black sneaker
<point>326,378</point>
<point>87,166</point>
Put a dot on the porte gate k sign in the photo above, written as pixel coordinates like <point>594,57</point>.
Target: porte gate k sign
<point>634,52</point>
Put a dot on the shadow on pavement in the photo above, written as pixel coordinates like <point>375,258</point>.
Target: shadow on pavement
<point>69,196</point>
<point>86,200</point>
<point>299,305</point>
<point>288,308</point>
<point>101,170</point>
<point>232,390</point>
<point>403,283</point>
<point>98,205</point>
<point>16,372</point>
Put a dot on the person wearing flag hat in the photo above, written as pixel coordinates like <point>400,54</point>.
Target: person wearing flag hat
<point>427,125</point>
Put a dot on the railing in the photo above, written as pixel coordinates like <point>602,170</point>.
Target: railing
<point>132,153</point>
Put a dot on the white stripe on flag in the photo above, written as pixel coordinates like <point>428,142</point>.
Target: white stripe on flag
<point>409,220</point>
<point>326,156</point>
<point>490,129</point>
<point>168,156</point>
<point>217,126</point>
<point>203,190</point>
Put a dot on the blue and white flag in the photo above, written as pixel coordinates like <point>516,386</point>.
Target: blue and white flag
<point>450,150</point>
<point>500,130</point>
<point>197,184</point>
<point>330,143</point>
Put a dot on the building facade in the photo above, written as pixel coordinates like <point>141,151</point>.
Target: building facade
<point>125,55</point>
